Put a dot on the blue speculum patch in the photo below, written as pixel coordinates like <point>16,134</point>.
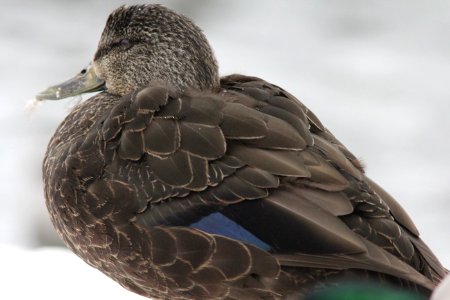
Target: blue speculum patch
<point>217,223</point>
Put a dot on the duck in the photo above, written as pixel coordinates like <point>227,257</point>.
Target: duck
<point>181,184</point>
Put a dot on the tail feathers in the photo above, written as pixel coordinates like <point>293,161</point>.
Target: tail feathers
<point>437,271</point>
<point>375,259</point>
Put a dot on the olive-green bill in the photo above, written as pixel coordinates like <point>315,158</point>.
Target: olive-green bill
<point>84,82</point>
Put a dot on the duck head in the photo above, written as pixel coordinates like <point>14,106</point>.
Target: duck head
<point>141,44</point>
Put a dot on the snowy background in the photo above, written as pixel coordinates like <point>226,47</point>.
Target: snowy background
<point>375,72</point>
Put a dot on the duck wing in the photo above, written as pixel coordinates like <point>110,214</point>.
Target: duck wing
<point>220,188</point>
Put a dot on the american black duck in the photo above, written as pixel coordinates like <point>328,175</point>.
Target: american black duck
<point>179,184</point>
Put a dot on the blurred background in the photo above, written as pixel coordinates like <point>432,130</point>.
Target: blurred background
<point>375,72</point>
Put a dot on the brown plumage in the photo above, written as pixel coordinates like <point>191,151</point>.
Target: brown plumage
<point>134,176</point>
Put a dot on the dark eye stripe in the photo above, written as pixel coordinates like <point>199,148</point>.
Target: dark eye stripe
<point>124,43</point>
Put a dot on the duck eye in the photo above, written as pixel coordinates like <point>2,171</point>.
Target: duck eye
<point>125,43</point>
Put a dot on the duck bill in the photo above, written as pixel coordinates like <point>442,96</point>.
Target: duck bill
<point>84,82</point>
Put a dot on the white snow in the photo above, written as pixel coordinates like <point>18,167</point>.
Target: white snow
<point>442,292</point>
<point>31,106</point>
<point>54,274</point>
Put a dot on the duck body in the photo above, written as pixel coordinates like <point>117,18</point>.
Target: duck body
<point>251,153</point>
<point>232,192</point>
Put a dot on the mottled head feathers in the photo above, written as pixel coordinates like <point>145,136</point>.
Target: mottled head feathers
<point>146,43</point>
